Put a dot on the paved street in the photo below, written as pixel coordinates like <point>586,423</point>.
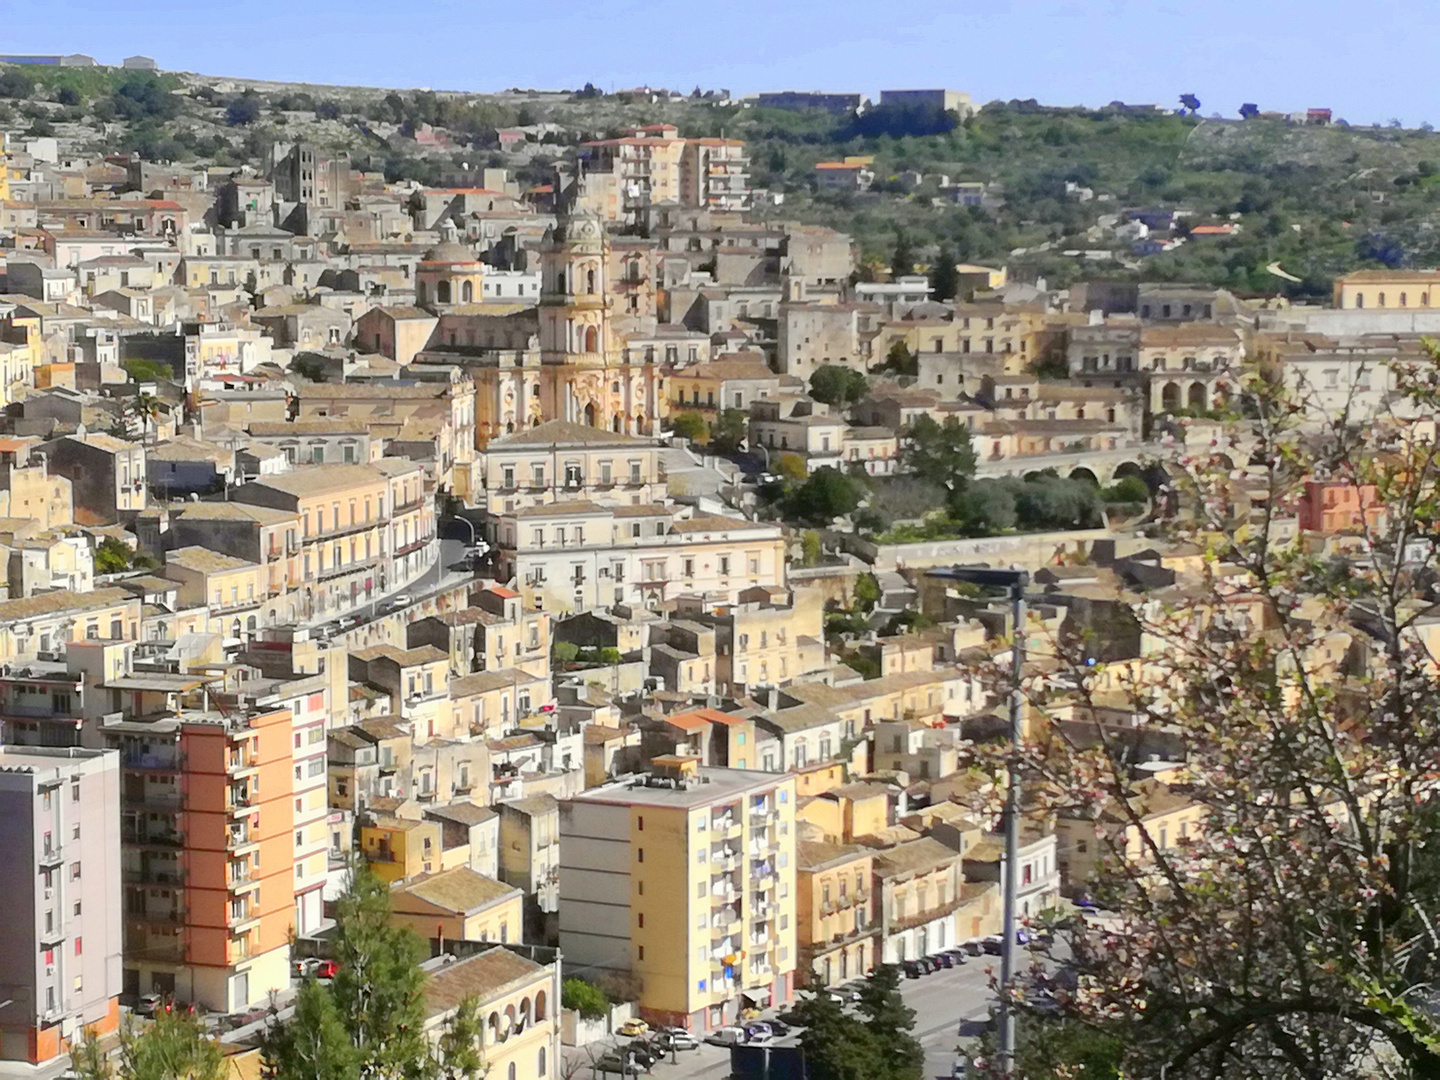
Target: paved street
<point>940,1002</point>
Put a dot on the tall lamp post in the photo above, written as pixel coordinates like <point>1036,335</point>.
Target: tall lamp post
<point>1013,581</point>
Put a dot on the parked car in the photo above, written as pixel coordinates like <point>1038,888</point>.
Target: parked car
<point>347,622</point>
<point>306,965</point>
<point>326,969</point>
<point>758,1031</point>
<point>615,1062</point>
<point>676,1039</point>
<point>150,1004</point>
<point>993,944</point>
<point>634,1028</point>
<point>912,969</point>
<point>973,947</point>
<point>399,600</point>
<point>779,1027</point>
<point>960,956</point>
<point>726,1036</point>
<point>643,1054</point>
<point>942,960</point>
<point>850,991</point>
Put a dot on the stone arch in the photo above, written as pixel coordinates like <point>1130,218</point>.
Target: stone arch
<point>539,1006</point>
<point>589,279</point>
<point>492,1024</point>
<point>592,339</point>
<point>467,291</point>
<point>1197,400</point>
<point>1170,397</point>
<point>590,414</point>
<point>524,1012</point>
<point>1127,468</point>
<point>1086,474</point>
<point>442,292</point>
<point>615,423</point>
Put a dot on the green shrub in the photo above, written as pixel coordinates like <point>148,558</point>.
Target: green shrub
<point>588,1000</point>
<point>565,652</point>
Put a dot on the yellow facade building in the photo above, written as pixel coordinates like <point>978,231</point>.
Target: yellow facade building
<point>517,994</point>
<point>459,904</point>
<point>685,879</point>
<point>836,931</point>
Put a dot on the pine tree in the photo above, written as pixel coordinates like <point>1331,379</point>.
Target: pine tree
<point>890,1021</point>
<point>313,1044</point>
<point>174,1047</point>
<point>457,1055</point>
<point>837,1047</point>
<point>377,990</point>
<point>944,278</point>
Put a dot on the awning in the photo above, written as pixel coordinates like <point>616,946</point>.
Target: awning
<point>758,996</point>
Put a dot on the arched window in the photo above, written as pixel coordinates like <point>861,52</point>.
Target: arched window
<point>421,293</point>
<point>540,1062</point>
<point>235,628</point>
<point>524,1013</point>
<point>592,339</point>
<point>590,280</point>
<point>540,1006</point>
<point>1380,300</point>
<point>560,281</point>
<point>467,292</point>
<point>510,1072</point>
<point>1403,298</point>
<point>442,292</point>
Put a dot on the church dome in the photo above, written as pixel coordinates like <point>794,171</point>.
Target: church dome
<point>450,252</point>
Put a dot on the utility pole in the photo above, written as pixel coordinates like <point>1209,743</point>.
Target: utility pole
<point>1014,582</point>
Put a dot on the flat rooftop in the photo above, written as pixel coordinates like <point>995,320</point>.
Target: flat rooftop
<point>708,786</point>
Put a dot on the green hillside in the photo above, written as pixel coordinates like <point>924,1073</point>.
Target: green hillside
<point>1315,200</point>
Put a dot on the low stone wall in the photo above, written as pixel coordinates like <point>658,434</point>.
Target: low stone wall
<point>1030,550</point>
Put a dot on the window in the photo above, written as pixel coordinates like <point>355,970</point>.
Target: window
<point>74,871</point>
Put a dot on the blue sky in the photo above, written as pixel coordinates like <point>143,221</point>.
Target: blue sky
<point>1369,62</point>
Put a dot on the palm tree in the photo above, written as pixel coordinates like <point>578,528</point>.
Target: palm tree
<point>148,408</point>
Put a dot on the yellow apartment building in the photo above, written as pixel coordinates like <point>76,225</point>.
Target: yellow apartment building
<point>459,905</point>
<point>365,530</point>
<point>232,589</point>
<point>685,878</point>
<point>835,930</point>
<point>399,849</point>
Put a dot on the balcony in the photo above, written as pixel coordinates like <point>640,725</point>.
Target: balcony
<point>135,759</point>
<point>52,855</point>
<point>241,765</point>
<point>165,838</point>
<point>241,841</point>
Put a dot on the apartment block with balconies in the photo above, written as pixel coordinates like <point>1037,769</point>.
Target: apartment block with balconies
<point>364,530</point>
<point>60,940</point>
<point>684,877</point>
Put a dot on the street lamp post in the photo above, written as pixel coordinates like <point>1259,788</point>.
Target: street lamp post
<point>1013,581</point>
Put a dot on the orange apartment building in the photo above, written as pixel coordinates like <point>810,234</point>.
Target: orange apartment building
<point>1331,506</point>
<point>208,855</point>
